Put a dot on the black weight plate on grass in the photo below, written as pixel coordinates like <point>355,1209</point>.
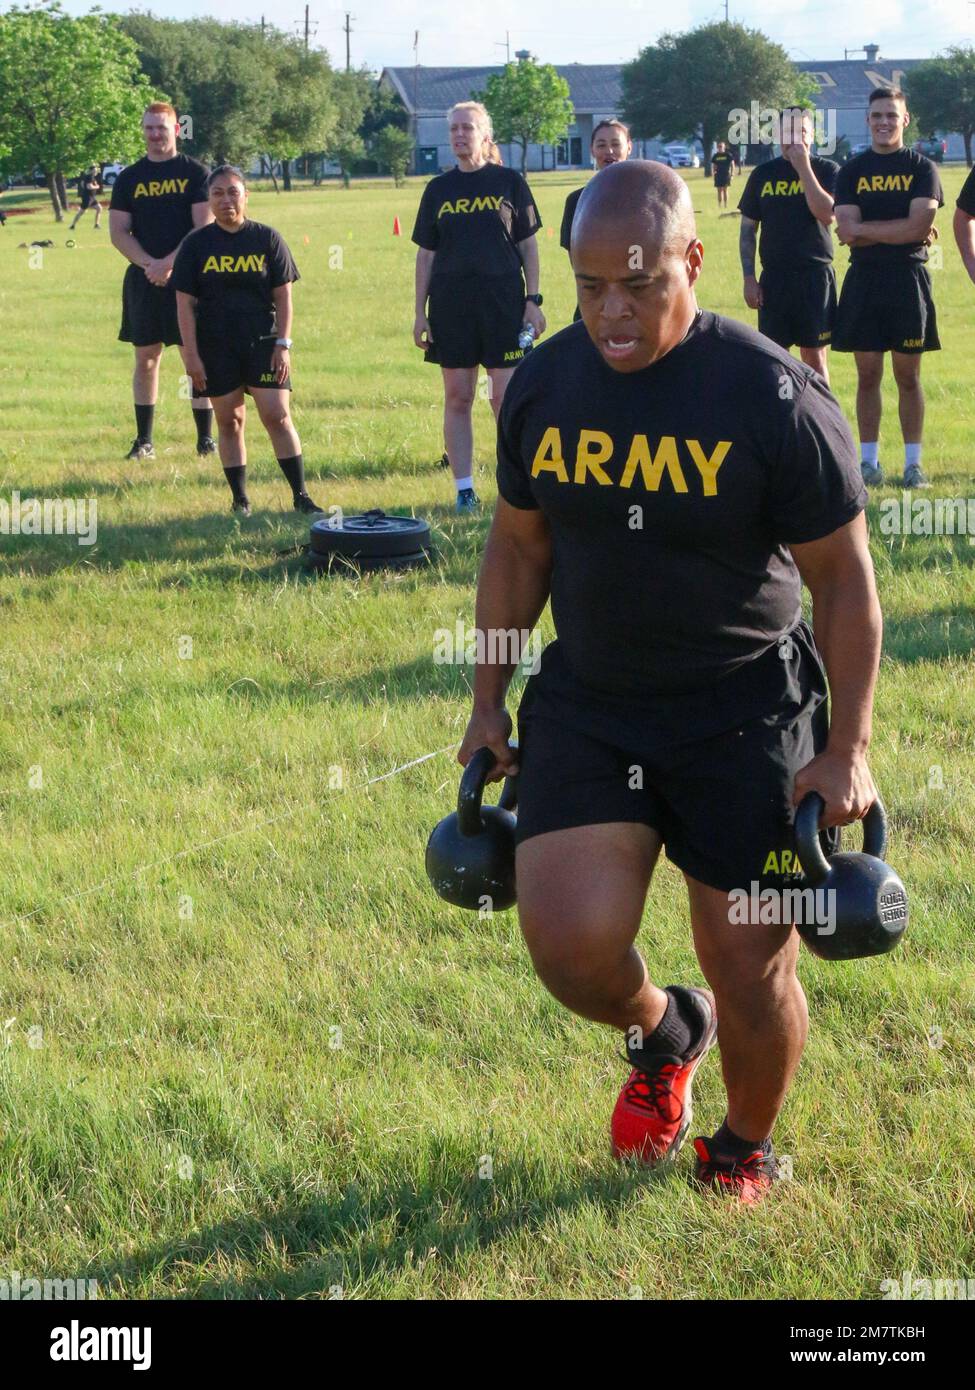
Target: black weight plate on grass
<point>371,534</point>
<point>339,564</point>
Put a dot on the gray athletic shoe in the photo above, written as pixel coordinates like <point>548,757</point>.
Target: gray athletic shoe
<point>913,477</point>
<point>141,449</point>
<point>872,474</point>
<point>467,500</point>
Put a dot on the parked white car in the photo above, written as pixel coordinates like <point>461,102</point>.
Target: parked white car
<point>680,157</point>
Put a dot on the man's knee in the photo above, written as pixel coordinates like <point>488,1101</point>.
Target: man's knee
<point>460,396</point>
<point>147,359</point>
<point>908,378</point>
<point>231,422</point>
<point>869,376</point>
<point>574,961</point>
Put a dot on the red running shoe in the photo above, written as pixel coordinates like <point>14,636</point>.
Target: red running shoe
<point>653,1112</point>
<point>747,1179</point>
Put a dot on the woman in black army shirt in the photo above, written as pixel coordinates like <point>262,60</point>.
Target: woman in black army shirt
<point>233,283</point>
<point>478,264</point>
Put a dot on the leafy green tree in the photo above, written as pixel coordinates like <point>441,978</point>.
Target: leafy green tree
<point>303,112</point>
<point>353,93</point>
<point>384,109</point>
<point>529,105</point>
<point>393,148</point>
<point>218,76</point>
<point>71,93</point>
<point>694,82</point>
<point>941,95</point>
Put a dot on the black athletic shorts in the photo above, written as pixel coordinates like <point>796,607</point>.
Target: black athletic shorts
<point>886,307</point>
<point>798,305</point>
<point>711,771</point>
<point>148,311</point>
<point>476,321</point>
<point>238,353</point>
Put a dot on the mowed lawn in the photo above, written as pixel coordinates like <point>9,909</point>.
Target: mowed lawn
<point>244,1050</point>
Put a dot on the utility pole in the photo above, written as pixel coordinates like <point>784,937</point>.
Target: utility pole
<point>507,43</point>
<point>348,31</point>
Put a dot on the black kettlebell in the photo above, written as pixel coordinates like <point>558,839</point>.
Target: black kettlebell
<point>868,902</point>
<point>470,858</point>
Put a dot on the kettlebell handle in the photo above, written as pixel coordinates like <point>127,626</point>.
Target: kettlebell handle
<point>814,863</point>
<point>471,792</point>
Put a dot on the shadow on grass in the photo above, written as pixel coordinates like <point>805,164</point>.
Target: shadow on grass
<point>336,1242</point>
<point>937,635</point>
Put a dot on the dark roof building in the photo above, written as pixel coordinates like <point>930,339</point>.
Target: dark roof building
<point>595,92</point>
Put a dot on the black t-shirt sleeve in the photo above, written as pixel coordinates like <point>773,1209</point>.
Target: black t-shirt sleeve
<point>425,230</point>
<point>527,219</point>
<point>749,204</point>
<point>816,484</point>
<point>928,183</point>
<point>185,268</point>
<point>121,195</point>
<point>512,473</point>
<point>966,198</point>
<point>827,173</point>
<point>281,265</point>
<point>845,186</point>
<point>565,231</point>
<point>198,184</point>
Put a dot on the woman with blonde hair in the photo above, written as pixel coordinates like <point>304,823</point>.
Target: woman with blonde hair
<point>477,299</point>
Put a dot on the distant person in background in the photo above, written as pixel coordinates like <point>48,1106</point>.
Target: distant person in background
<point>233,283</point>
<point>89,186</point>
<point>791,198</point>
<point>722,167</point>
<point>610,143</point>
<point>155,202</point>
<point>477,265</point>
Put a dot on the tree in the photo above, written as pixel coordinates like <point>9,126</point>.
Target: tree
<point>218,76</point>
<point>393,147</point>
<point>941,95</point>
<point>71,93</point>
<point>695,82</point>
<point>528,104</point>
<point>304,112</point>
<point>353,93</point>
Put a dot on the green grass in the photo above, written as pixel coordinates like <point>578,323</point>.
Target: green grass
<point>172,785</point>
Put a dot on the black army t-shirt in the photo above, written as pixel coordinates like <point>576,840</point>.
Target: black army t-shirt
<point>671,495</point>
<point>474,220</point>
<point>883,186</point>
<point>721,166</point>
<point>966,198</point>
<point>233,274</point>
<point>774,196</point>
<point>160,195</point>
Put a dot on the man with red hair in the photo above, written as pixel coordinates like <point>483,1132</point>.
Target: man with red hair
<point>155,202</point>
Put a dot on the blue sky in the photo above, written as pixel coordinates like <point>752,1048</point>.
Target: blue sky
<point>565,31</point>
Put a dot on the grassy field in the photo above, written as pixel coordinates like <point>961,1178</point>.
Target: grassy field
<point>244,1050</point>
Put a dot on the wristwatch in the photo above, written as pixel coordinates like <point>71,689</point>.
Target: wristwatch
<point>282,342</point>
<point>535,299</point>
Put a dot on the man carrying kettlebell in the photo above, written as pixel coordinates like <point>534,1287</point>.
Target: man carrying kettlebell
<point>683,704</point>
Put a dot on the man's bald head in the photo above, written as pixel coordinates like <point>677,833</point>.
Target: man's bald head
<point>639,203</point>
<point>636,259</point>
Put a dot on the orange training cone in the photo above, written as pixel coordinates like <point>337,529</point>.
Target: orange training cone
<point>396,228</point>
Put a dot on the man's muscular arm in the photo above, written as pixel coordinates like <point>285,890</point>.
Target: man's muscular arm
<point>848,627</point>
<point>512,590</point>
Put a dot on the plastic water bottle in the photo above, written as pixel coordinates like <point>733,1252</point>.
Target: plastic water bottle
<point>526,337</point>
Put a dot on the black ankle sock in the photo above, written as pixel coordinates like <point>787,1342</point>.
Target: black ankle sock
<point>294,471</point>
<point>237,478</point>
<point>726,1141</point>
<point>203,415</point>
<point>677,1032</point>
<point>143,422</point>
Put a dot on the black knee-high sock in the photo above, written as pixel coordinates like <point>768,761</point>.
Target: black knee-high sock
<point>143,421</point>
<point>203,415</point>
<point>237,478</point>
<point>294,471</point>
